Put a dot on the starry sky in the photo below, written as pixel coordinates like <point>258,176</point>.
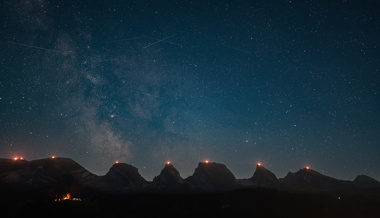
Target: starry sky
<point>285,83</point>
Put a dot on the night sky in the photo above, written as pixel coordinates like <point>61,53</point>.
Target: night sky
<point>284,83</point>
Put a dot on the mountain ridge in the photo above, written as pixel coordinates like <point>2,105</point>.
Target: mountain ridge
<point>310,180</point>
<point>64,174</point>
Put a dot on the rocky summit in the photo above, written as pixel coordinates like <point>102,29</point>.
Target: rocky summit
<point>364,181</point>
<point>312,181</point>
<point>263,177</point>
<point>125,176</point>
<point>212,177</point>
<point>168,180</point>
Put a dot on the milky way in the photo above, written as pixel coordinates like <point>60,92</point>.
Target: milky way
<point>284,83</point>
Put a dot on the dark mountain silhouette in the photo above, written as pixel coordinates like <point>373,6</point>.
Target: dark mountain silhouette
<point>168,180</point>
<point>9,165</point>
<point>42,171</point>
<point>63,175</point>
<point>212,177</point>
<point>32,187</point>
<point>364,181</point>
<point>262,177</point>
<point>12,171</point>
<point>311,181</point>
<point>46,176</point>
<point>122,175</point>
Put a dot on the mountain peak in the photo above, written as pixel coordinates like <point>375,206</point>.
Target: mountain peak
<point>125,175</point>
<point>169,166</point>
<point>364,181</point>
<point>63,174</point>
<point>305,174</point>
<point>310,180</point>
<point>169,178</point>
<point>212,176</point>
<point>263,176</point>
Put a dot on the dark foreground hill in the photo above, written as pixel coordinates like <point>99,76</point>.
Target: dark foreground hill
<point>62,187</point>
<point>253,202</point>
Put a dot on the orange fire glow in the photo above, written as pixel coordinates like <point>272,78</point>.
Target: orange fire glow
<point>67,197</point>
<point>258,164</point>
<point>15,158</point>
<point>21,158</point>
<point>308,168</point>
<point>116,162</point>
<point>206,161</point>
<point>52,157</point>
<point>168,162</point>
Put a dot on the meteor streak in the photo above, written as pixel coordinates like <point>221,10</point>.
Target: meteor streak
<point>36,47</point>
<point>147,94</point>
<point>173,43</point>
<point>237,49</point>
<point>161,40</point>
